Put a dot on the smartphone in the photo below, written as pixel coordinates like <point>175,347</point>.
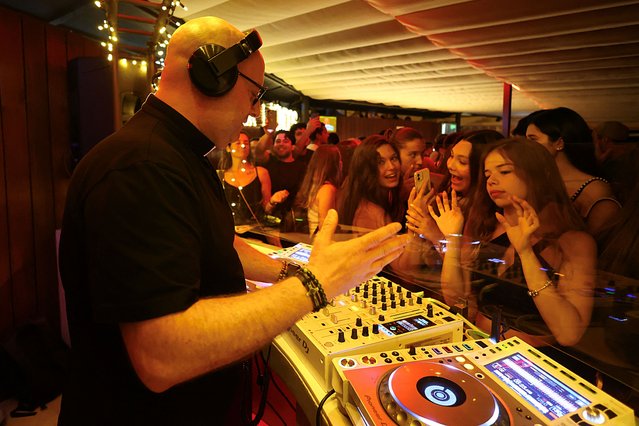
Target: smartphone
<point>422,177</point>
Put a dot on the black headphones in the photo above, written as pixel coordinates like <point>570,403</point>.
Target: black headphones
<point>213,68</point>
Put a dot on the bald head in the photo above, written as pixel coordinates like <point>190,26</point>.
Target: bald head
<point>211,115</point>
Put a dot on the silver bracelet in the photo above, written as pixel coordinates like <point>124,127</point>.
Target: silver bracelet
<point>535,293</point>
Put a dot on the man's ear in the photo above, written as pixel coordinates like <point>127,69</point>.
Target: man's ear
<point>559,144</point>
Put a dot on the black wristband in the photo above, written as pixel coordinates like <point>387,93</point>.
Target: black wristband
<point>313,288</point>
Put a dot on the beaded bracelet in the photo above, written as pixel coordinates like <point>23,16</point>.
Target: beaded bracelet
<point>283,272</point>
<point>313,288</point>
<point>535,293</point>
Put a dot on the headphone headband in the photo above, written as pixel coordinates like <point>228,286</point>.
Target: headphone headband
<point>230,57</point>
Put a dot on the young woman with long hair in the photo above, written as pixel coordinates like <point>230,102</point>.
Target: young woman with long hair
<point>546,267</point>
<point>247,187</point>
<point>566,135</point>
<point>318,192</point>
<point>370,195</point>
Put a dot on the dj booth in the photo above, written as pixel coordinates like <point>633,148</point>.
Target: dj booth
<point>383,355</point>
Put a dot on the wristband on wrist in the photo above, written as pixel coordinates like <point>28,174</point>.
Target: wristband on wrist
<point>313,288</point>
<point>288,270</point>
<point>535,293</point>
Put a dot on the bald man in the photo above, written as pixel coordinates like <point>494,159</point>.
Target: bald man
<point>160,321</point>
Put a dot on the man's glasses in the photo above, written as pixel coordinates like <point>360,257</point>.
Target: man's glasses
<point>262,89</point>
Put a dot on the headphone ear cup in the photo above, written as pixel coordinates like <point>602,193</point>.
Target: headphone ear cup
<point>203,76</point>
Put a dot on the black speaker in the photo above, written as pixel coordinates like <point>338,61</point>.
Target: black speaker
<point>213,68</point>
<point>91,103</point>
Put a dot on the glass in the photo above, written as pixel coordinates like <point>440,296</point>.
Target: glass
<point>262,89</point>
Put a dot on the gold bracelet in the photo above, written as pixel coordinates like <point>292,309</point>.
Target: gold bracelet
<point>535,293</point>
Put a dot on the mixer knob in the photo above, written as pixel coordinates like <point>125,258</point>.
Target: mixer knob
<point>374,300</point>
<point>366,294</point>
<point>373,310</point>
<point>398,288</point>
<point>358,322</point>
<point>382,318</point>
<point>354,334</point>
<point>334,318</point>
<point>374,292</point>
<point>419,300</point>
<point>363,304</point>
<point>402,303</point>
<point>389,284</point>
<point>365,331</point>
<point>409,294</point>
<point>354,298</point>
<point>411,302</point>
<point>375,328</point>
<point>412,351</point>
<point>357,289</point>
<point>429,310</point>
<point>325,311</point>
<point>384,299</point>
<point>393,304</point>
<point>384,307</point>
<point>340,337</point>
<point>392,297</point>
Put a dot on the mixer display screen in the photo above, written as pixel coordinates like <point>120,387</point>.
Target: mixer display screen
<point>302,254</point>
<point>405,325</point>
<point>547,394</point>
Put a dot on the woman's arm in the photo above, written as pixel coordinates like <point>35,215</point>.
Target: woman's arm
<point>566,308</point>
<point>326,197</point>
<point>450,221</point>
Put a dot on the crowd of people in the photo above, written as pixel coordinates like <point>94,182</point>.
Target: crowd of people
<point>541,200</point>
<point>154,271</point>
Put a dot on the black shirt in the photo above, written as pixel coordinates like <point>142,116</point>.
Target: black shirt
<point>285,175</point>
<point>146,232</point>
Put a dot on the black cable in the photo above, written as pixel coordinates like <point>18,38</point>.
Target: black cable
<point>268,371</point>
<point>264,388</point>
<point>318,414</point>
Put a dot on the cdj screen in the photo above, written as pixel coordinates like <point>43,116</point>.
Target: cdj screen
<point>405,325</point>
<point>302,254</point>
<point>544,392</point>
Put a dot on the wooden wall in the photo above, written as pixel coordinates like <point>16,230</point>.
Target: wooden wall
<point>34,158</point>
<point>353,127</point>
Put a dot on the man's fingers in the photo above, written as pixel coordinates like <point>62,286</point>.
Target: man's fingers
<point>325,235</point>
<point>390,248</point>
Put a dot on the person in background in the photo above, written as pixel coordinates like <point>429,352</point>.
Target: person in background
<point>318,193</point>
<point>247,187</point>
<point>317,137</point>
<point>286,172</point>
<point>154,275</point>
<point>547,266</point>
<point>410,144</point>
<point>301,135</point>
<point>617,157</point>
<point>333,138</point>
<point>462,174</point>
<point>567,137</point>
<point>370,194</point>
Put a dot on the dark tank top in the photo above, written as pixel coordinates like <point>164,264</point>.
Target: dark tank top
<point>246,205</point>
<point>507,291</point>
